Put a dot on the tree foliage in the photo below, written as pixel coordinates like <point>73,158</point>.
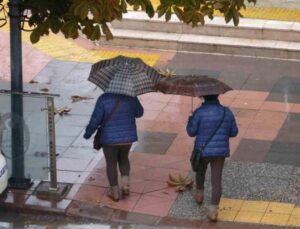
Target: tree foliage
<point>92,17</point>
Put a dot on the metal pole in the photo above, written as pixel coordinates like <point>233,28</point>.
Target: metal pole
<point>52,147</point>
<point>18,179</point>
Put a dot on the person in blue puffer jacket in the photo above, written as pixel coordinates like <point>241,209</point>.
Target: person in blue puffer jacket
<point>117,135</point>
<point>201,125</point>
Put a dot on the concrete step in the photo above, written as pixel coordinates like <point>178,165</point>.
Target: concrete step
<point>248,28</point>
<point>202,43</point>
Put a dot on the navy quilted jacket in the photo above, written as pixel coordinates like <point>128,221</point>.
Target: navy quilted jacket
<point>204,121</point>
<point>121,128</point>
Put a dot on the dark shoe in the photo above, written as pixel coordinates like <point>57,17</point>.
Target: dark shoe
<point>212,213</point>
<point>114,193</point>
<point>199,196</point>
<point>125,186</point>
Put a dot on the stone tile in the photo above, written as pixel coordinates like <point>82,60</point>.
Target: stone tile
<point>74,120</point>
<point>126,204</point>
<point>68,176</point>
<point>275,219</point>
<point>150,115</point>
<point>167,193</point>
<point>255,206</point>
<point>249,217</point>
<point>153,205</point>
<point>79,153</point>
<point>280,208</point>
<point>252,150</point>
<point>284,153</point>
<point>153,105</point>
<point>286,90</point>
<point>276,106</point>
<point>173,117</point>
<point>57,206</point>
<point>90,194</point>
<point>236,80</point>
<point>16,199</point>
<point>260,81</point>
<point>155,96</point>
<point>134,218</point>
<point>255,95</point>
<point>97,179</point>
<point>81,209</point>
<point>70,164</point>
<point>182,223</point>
<point>154,142</point>
<point>55,71</point>
<point>246,104</point>
<point>264,135</point>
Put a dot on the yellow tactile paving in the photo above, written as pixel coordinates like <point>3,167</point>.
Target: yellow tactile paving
<point>230,204</point>
<point>280,208</point>
<point>275,219</point>
<point>227,215</point>
<point>63,49</point>
<point>249,217</point>
<point>294,221</point>
<point>255,206</point>
<point>259,212</point>
<point>271,13</point>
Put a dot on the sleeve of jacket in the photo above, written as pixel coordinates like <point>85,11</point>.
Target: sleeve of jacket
<point>233,128</point>
<point>192,126</point>
<point>139,109</point>
<point>96,119</point>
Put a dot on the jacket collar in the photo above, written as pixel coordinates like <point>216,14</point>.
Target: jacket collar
<point>212,102</point>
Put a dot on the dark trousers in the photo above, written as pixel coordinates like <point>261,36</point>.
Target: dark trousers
<point>216,165</point>
<point>116,155</point>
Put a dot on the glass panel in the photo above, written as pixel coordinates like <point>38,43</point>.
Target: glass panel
<point>34,162</point>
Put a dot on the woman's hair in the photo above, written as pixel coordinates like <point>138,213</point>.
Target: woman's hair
<point>210,97</point>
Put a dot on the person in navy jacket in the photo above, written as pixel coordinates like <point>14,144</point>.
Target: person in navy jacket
<point>117,136</point>
<point>201,125</point>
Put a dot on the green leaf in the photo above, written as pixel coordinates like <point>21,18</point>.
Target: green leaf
<point>107,32</point>
<point>149,8</point>
<point>35,36</point>
<point>162,11</point>
<point>218,5</point>
<point>95,13</point>
<point>168,14</point>
<point>95,34</point>
<point>178,12</point>
<point>84,11</point>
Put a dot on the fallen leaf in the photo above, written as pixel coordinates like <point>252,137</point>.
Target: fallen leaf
<point>33,81</point>
<point>62,111</point>
<point>44,89</point>
<point>77,98</point>
<point>180,183</point>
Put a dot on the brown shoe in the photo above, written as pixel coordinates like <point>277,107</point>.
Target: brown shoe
<point>125,186</point>
<point>114,193</point>
<point>212,213</point>
<point>199,195</point>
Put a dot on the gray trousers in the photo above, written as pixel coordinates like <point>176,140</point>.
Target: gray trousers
<point>116,155</point>
<point>216,165</point>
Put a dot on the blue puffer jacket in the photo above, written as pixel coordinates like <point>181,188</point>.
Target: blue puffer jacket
<point>204,121</point>
<point>121,128</point>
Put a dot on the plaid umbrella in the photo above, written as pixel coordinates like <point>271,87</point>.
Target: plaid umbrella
<point>192,86</point>
<point>124,75</point>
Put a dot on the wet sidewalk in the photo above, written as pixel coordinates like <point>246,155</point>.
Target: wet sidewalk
<point>261,179</point>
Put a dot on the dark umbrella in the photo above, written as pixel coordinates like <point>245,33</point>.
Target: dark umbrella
<point>124,75</point>
<point>192,86</point>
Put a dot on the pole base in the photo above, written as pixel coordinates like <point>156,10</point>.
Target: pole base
<point>19,183</point>
<point>45,192</point>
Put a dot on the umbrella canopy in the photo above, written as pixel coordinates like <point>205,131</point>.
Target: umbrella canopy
<point>124,75</point>
<point>192,86</point>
